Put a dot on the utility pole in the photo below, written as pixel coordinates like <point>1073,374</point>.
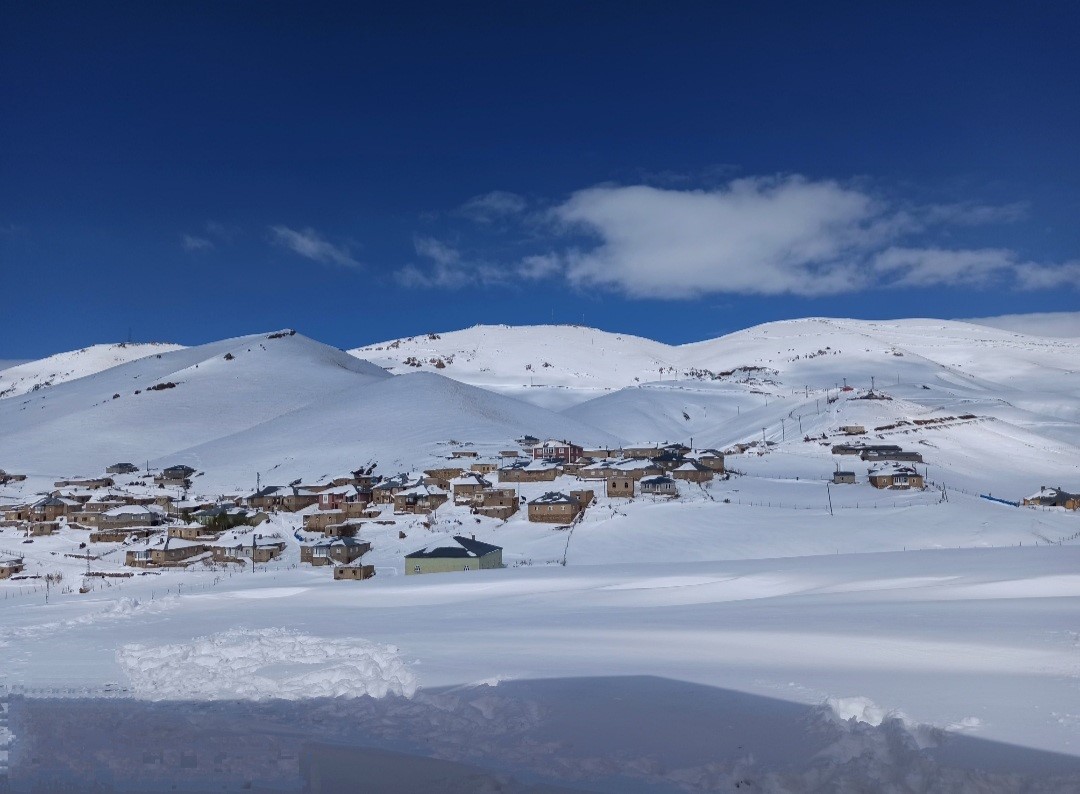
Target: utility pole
<point>783,431</point>
<point>829,492</point>
<point>764,443</point>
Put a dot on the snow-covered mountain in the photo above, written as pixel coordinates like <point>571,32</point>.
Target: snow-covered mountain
<point>279,404</point>
<point>564,365</point>
<point>62,367</point>
<point>287,406</point>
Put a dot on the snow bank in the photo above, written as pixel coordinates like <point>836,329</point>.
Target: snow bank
<point>265,664</point>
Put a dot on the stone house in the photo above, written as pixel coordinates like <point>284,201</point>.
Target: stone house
<point>454,554</point>
<point>465,486</point>
<point>464,453</point>
<point>120,535</point>
<point>1052,497</point>
<point>500,503</point>
<point>709,458</point>
<point>288,498</point>
<point>238,545</point>
<point>872,454</point>
<point>321,519</point>
<point>659,485</point>
<point>484,467</point>
<point>90,483</point>
<point>122,468</point>
<point>620,486</point>
<point>10,566</point>
<point>346,529</point>
<point>693,472</point>
<point>423,499</point>
<point>852,430</point>
<point>383,493</point>
<point>441,476</point>
<point>354,572</point>
<point>174,477</point>
<point>334,497</point>
<point>896,476</point>
<point>555,507</point>
<point>552,449</point>
<point>531,471</point>
<point>131,516</point>
<point>191,532</point>
<point>333,551</point>
<point>162,551</point>
<point>843,478</point>
<point>51,508</point>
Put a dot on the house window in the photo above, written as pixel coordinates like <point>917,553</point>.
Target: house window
<point>465,568</point>
<point>416,569</point>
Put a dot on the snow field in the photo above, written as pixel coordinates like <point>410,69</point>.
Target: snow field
<point>266,663</point>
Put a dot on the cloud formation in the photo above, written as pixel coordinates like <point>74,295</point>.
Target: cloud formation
<point>309,244</point>
<point>193,243</point>
<point>777,235</point>
<point>492,206</point>
<point>749,236</point>
<point>754,236</point>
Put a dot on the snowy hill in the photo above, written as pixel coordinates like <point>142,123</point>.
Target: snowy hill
<point>563,365</point>
<point>782,381</point>
<point>280,404</point>
<point>62,367</point>
<point>402,423</point>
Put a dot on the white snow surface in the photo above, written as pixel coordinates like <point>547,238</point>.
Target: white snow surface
<point>36,375</point>
<point>265,663</point>
<point>898,622</point>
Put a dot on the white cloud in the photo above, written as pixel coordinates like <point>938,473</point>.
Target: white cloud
<point>539,267</point>
<point>309,244</point>
<point>437,251</point>
<point>772,236</point>
<point>448,270</point>
<point>926,267</point>
<point>757,236</point>
<point>492,206</point>
<point>1062,324</point>
<point>193,243</point>
<point>1033,276</point>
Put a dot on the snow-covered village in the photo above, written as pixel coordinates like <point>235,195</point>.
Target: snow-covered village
<point>774,510</point>
<point>535,398</point>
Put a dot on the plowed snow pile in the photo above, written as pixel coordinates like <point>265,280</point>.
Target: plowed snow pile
<point>265,664</point>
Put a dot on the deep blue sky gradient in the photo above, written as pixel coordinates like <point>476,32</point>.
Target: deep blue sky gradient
<point>124,126</point>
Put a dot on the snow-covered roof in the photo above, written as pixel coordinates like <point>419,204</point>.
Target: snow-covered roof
<point>555,498</point>
<point>456,547</point>
<point>328,542</point>
<point>551,442</point>
<point>423,490</point>
<point>657,479</point>
<point>470,478</point>
<point>890,469</point>
<point>250,536</point>
<point>162,542</point>
<point>134,510</point>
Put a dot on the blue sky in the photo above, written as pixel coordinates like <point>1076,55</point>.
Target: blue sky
<point>677,170</point>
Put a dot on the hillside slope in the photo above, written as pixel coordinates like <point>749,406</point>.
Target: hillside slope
<point>564,365</point>
<point>203,393</point>
<point>62,367</point>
